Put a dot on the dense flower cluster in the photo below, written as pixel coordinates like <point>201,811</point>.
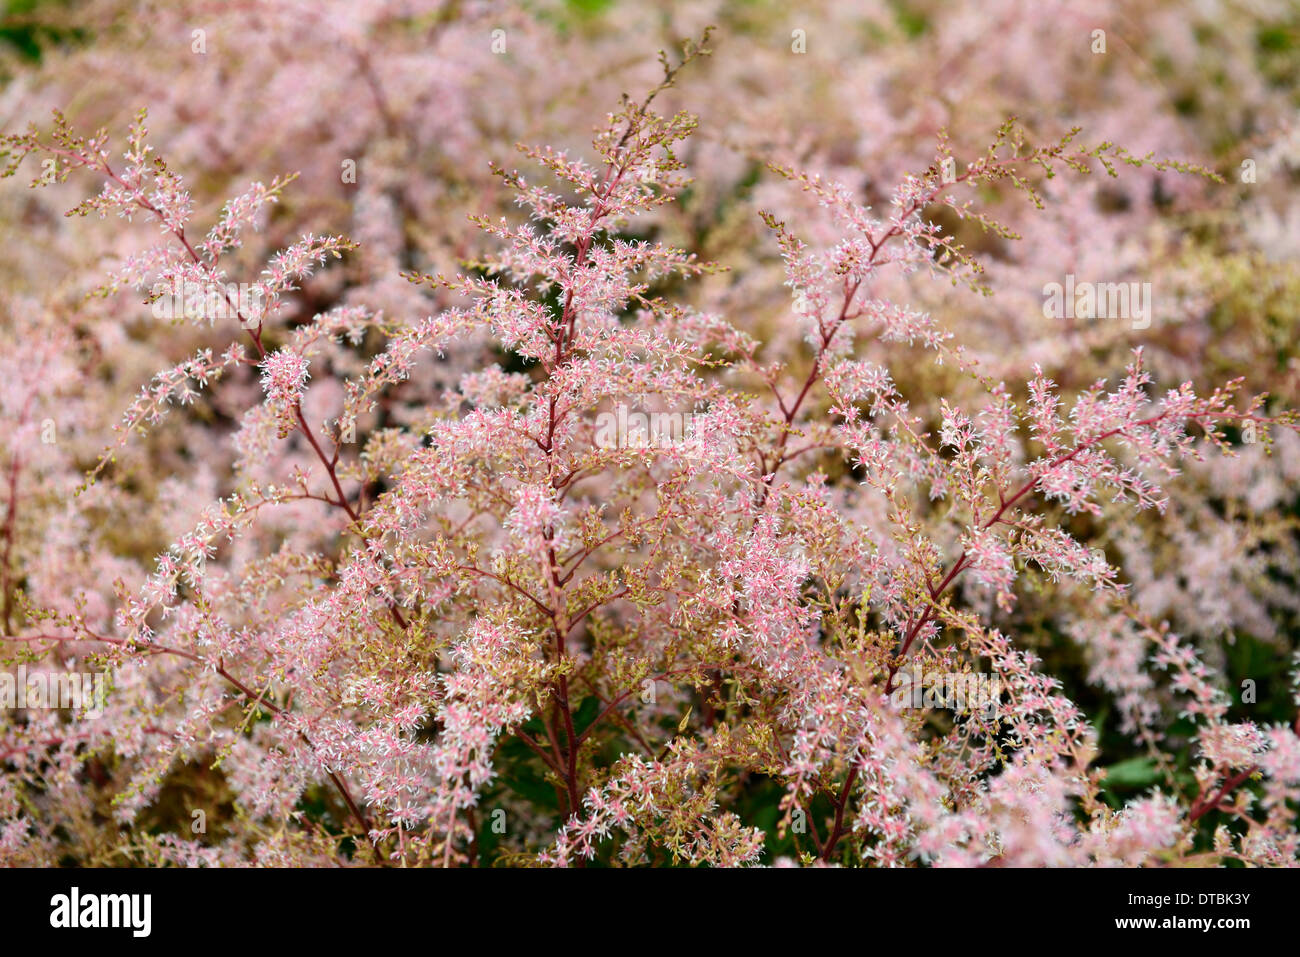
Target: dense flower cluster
<point>371,586</point>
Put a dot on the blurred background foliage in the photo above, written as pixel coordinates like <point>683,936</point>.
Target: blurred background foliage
<point>1219,83</point>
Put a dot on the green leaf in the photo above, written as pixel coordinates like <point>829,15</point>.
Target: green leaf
<point>586,713</point>
<point>1133,773</point>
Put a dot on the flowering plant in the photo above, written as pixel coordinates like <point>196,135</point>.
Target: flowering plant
<point>431,610</point>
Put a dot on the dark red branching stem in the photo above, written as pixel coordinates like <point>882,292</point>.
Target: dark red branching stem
<point>1202,806</point>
